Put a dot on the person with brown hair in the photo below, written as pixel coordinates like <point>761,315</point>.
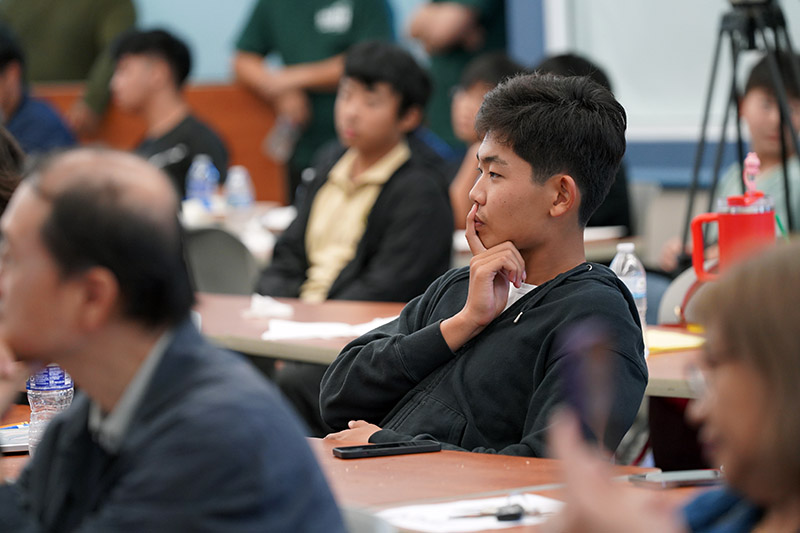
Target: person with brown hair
<point>748,395</point>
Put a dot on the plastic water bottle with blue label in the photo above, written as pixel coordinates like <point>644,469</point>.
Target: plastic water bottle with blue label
<point>630,270</point>
<point>202,180</point>
<point>49,392</point>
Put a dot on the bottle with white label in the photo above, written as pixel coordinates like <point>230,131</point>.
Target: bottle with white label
<point>239,188</point>
<point>630,270</point>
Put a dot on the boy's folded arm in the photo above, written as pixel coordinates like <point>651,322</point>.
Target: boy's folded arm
<point>374,372</point>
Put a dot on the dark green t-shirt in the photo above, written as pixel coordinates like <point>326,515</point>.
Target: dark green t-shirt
<point>446,66</point>
<point>317,30</point>
<point>69,41</point>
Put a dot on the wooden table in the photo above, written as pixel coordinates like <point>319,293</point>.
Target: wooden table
<point>669,370</point>
<point>224,324</point>
<point>377,483</point>
<point>668,373</point>
<point>11,465</point>
<point>382,482</point>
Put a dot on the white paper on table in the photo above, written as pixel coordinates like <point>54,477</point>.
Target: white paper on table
<point>13,440</point>
<point>267,306</point>
<point>438,517</point>
<point>290,329</point>
<point>279,218</point>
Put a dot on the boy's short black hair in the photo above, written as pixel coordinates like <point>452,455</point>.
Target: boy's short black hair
<point>573,65</point>
<point>372,62</point>
<point>490,69</point>
<point>10,49</point>
<point>158,43</point>
<point>761,76</point>
<point>569,125</point>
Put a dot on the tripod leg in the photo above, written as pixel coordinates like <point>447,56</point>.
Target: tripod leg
<point>701,145</point>
<point>772,54</point>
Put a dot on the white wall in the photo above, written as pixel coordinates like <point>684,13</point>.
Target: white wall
<point>658,54</point>
<point>211,27</point>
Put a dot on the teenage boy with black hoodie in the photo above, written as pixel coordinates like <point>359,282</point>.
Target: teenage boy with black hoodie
<point>475,361</point>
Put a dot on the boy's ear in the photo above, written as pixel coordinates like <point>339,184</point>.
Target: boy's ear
<point>566,195</point>
<point>411,119</point>
<point>162,72</point>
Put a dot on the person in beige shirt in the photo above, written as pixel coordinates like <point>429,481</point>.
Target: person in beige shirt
<point>375,223</point>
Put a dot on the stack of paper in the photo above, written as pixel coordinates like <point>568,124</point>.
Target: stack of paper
<point>289,329</point>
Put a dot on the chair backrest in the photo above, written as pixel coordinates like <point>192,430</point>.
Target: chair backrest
<point>219,262</point>
<point>642,194</point>
<point>241,118</point>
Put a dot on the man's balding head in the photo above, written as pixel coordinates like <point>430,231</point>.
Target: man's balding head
<point>114,210</point>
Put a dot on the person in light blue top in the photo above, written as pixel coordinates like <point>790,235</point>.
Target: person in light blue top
<point>760,111</point>
<point>746,385</point>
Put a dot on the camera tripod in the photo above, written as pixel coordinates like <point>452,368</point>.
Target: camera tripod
<point>749,26</point>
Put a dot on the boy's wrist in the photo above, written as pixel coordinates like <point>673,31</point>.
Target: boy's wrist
<point>459,329</point>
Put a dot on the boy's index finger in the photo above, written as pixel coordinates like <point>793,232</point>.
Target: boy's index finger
<point>475,244</point>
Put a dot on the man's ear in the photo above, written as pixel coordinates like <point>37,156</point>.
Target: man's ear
<point>411,119</point>
<point>566,195</point>
<point>98,297</point>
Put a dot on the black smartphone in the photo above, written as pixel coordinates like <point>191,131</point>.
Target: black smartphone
<point>678,478</point>
<point>387,448</point>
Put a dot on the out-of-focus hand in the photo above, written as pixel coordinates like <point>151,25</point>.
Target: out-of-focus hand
<point>294,105</point>
<point>359,432</point>
<point>445,25</point>
<point>595,503</point>
<point>670,252</point>
<point>82,119</point>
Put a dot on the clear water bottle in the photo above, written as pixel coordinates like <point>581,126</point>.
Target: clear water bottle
<point>49,392</point>
<point>202,180</point>
<point>630,270</point>
<point>239,188</point>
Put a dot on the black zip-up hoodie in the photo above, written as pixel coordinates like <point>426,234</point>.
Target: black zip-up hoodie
<point>495,394</point>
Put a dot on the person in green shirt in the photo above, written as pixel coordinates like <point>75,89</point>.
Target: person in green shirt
<point>310,43</point>
<point>69,40</point>
<point>453,33</point>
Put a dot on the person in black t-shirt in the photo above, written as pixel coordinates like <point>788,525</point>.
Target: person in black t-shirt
<point>151,67</point>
